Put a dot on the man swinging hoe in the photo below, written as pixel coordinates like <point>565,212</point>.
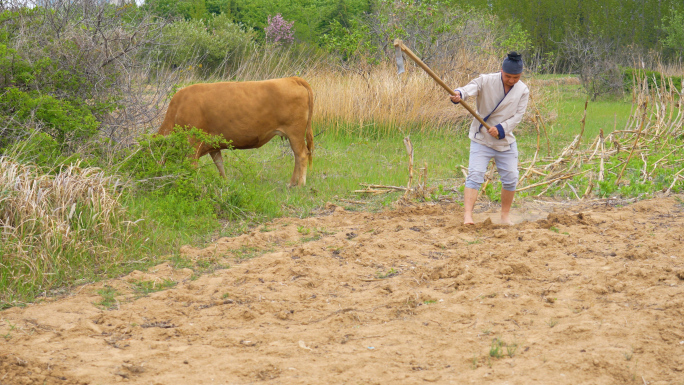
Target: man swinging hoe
<point>503,97</point>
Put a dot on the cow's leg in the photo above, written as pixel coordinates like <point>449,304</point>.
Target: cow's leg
<point>218,161</point>
<point>301,155</point>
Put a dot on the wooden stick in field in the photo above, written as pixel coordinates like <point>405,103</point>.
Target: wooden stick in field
<point>409,149</point>
<point>636,141</point>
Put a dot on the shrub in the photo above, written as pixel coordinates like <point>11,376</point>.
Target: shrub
<point>173,189</point>
<point>279,30</point>
<point>207,46</point>
<point>655,79</point>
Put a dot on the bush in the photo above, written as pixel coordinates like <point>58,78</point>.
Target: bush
<point>594,59</point>
<point>207,46</point>
<point>655,79</point>
<point>173,189</point>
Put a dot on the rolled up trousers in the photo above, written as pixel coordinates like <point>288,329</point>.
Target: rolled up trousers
<point>506,165</point>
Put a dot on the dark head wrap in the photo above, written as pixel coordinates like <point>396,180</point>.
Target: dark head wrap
<point>513,63</point>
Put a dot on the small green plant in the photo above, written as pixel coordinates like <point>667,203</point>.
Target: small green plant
<point>429,302</point>
<point>108,294</point>
<point>303,230</point>
<point>474,362</point>
<point>511,349</point>
<point>245,252</point>
<point>554,229</point>
<point>143,288</point>
<point>225,295</point>
<point>487,332</point>
<point>8,335</point>
<point>496,348</point>
<point>628,355</point>
<point>552,322</point>
<point>178,261</point>
<point>680,201</point>
<point>389,274</point>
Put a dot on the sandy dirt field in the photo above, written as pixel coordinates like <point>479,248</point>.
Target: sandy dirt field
<point>581,293</point>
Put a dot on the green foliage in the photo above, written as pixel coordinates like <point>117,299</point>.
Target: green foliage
<point>41,149</point>
<point>673,25</point>
<point>654,79</point>
<point>108,294</point>
<point>64,120</point>
<point>623,23</point>
<point>143,288</point>
<point>348,41</point>
<point>511,36</point>
<point>38,94</point>
<point>205,45</point>
<point>172,189</point>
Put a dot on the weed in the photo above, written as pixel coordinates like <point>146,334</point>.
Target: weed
<point>496,349</point>
<point>475,242</point>
<point>225,295</point>
<point>8,336</point>
<point>628,355</point>
<point>389,274</point>
<point>179,262</point>
<point>207,267</point>
<point>303,230</point>
<point>108,294</point>
<point>680,201</point>
<point>429,302</point>
<point>552,322</point>
<point>510,349</point>
<point>486,332</point>
<point>474,361</point>
<point>554,229</point>
<point>315,237</point>
<point>245,252</point>
<point>143,288</point>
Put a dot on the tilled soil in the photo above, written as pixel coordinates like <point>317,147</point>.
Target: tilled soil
<point>588,294</point>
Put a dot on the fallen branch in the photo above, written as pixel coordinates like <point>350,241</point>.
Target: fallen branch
<point>552,181</point>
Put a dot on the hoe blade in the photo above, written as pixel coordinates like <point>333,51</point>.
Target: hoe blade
<point>400,60</point>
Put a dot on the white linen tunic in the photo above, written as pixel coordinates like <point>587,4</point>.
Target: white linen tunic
<point>497,108</point>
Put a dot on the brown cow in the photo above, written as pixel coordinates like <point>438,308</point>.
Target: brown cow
<point>248,114</point>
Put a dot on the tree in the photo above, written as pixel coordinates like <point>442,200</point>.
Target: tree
<point>673,26</point>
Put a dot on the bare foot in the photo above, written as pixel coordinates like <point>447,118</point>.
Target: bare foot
<point>468,220</point>
<point>506,220</point>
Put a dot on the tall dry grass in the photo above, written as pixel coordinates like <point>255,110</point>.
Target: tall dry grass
<point>352,98</point>
<point>56,227</point>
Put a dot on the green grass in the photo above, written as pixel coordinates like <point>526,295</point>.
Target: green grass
<point>108,294</point>
<point>143,288</point>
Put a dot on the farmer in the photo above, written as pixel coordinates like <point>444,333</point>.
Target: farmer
<point>503,97</point>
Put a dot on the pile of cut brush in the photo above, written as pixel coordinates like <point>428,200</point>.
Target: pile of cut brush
<point>646,156</point>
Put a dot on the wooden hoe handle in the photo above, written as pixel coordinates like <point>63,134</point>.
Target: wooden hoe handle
<point>400,44</point>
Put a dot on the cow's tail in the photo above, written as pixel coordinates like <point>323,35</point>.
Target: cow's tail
<point>169,120</point>
<point>309,128</point>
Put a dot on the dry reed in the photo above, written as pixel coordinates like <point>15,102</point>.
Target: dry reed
<point>51,223</point>
<point>356,97</point>
<point>657,117</point>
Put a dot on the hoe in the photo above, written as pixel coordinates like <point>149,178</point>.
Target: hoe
<point>399,46</point>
